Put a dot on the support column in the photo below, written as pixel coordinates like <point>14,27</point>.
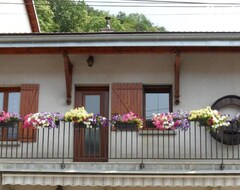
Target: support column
<point>68,77</point>
<point>177,78</point>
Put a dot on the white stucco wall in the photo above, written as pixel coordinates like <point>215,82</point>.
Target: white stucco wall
<point>203,77</point>
<point>13,17</point>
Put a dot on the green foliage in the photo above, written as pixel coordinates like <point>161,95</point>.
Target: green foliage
<point>76,16</point>
<point>137,23</point>
<point>45,16</point>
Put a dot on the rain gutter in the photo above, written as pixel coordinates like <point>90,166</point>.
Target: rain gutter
<point>121,40</point>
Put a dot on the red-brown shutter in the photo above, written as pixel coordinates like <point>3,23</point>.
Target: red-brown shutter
<point>28,104</point>
<point>127,97</point>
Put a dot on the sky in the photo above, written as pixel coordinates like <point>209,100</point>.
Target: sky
<point>180,15</point>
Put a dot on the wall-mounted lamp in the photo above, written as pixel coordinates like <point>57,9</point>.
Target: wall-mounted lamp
<point>90,61</point>
<point>59,187</point>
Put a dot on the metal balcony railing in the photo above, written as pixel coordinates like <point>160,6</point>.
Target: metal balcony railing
<point>69,142</point>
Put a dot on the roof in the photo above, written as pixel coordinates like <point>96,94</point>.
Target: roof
<point>32,15</point>
<point>169,42</point>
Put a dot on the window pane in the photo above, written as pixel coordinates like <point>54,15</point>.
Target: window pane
<point>1,101</point>
<point>156,103</point>
<point>92,103</point>
<point>14,102</point>
<point>92,141</point>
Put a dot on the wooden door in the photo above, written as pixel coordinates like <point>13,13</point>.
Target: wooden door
<point>91,144</point>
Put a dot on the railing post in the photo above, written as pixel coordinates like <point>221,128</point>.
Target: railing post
<point>222,165</point>
<point>142,164</point>
<point>63,141</point>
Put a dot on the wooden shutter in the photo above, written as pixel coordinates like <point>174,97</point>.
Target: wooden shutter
<point>28,104</point>
<point>127,97</point>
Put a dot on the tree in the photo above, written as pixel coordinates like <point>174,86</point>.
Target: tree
<point>71,16</point>
<point>45,16</point>
<point>76,16</point>
<point>136,22</point>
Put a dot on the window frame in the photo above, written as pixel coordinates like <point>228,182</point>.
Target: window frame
<point>156,89</point>
<point>6,91</point>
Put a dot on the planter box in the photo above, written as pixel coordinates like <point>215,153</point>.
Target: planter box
<point>57,123</point>
<point>82,125</point>
<point>126,126</point>
<point>229,135</point>
<point>9,124</point>
<point>203,123</point>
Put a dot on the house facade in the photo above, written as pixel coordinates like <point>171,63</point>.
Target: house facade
<point>111,73</point>
<point>18,16</point>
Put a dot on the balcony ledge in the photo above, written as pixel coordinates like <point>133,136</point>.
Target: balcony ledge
<point>131,168</point>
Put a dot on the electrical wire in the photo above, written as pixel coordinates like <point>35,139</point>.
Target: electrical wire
<point>152,4</point>
<point>143,3</point>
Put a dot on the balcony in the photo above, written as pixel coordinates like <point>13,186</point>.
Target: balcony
<point>104,152</point>
<point>70,143</point>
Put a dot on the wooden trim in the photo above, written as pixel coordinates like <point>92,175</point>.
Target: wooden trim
<point>10,89</point>
<point>117,50</point>
<point>28,104</point>
<point>127,97</point>
<point>6,91</point>
<point>177,78</point>
<point>32,15</point>
<point>68,67</point>
<point>5,101</point>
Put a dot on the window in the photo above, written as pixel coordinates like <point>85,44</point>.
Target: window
<point>9,102</point>
<point>157,99</point>
<point>23,100</point>
<point>143,100</point>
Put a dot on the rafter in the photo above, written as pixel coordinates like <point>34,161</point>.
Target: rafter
<point>177,78</point>
<point>32,15</point>
<point>68,77</point>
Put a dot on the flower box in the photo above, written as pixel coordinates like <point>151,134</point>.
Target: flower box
<point>83,119</point>
<point>57,123</point>
<point>9,124</point>
<point>83,125</point>
<point>128,121</point>
<point>209,118</point>
<point>171,121</point>
<point>203,123</point>
<point>42,120</point>
<point>121,126</point>
<point>9,117</point>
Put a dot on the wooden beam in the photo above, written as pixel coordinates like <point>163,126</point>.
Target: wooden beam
<point>177,78</point>
<point>116,50</point>
<point>32,15</point>
<point>68,77</point>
